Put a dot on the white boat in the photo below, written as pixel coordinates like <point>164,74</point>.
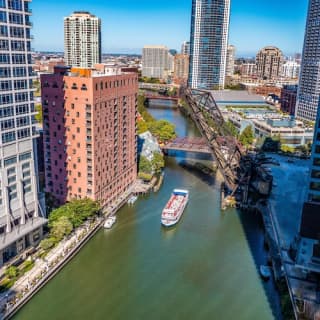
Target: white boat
<point>173,210</point>
<point>265,272</point>
<point>110,221</point>
<point>132,200</point>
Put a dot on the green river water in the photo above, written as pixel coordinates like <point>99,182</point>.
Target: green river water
<point>201,269</point>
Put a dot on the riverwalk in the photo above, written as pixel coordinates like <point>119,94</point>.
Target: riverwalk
<point>46,268</point>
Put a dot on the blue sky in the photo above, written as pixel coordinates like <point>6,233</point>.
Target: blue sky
<point>127,25</point>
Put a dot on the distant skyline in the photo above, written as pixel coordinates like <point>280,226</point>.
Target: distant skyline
<point>129,25</point>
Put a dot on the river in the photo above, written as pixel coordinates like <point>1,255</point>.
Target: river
<point>204,268</point>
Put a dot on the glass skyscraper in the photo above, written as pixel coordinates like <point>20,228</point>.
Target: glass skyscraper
<point>309,83</point>
<point>208,43</point>
<point>21,216</point>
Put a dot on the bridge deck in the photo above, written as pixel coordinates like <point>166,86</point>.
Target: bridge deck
<point>198,145</point>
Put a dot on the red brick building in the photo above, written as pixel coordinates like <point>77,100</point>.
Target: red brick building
<point>289,99</point>
<point>89,132</point>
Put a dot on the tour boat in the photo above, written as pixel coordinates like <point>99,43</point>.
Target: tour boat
<point>173,210</point>
<point>110,221</point>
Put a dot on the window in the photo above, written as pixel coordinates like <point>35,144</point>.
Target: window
<point>10,161</point>
<point>7,124</point>
<point>25,156</point>
<point>6,112</point>
<point>5,72</point>
<point>4,58</point>
<point>8,137</point>
<point>3,16</point>
<point>23,133</point>
<point>5,85</point>
<point>4,31</point>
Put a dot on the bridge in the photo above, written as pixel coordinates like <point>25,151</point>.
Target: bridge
<point>237,167</point>
<point>151,96</point>
<point>198,145</point>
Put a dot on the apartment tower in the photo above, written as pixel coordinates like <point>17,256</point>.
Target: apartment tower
<point>231,56</point>
<point>155,61</point>
<point>269,62</point>
<point>89,132</point>
<point>309,82</point>
<point>21,215</point>
<point>208,43</point>
<point>82,40</point>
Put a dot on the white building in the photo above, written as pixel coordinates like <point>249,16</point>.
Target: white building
<point>156,62</point>
<point>185,48</point>
<point>309,82</point>
<point>21,215</point>
<point>291,70</point>
<point>231,55</point>
<point>82,40</point>
<point>208,43</point>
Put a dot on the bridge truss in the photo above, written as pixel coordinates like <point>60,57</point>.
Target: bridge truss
<point>231,158</point>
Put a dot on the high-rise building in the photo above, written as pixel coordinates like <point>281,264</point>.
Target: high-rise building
<point>185,48</point>
<point>82,40</point>
<point>248,69</point>
<point>269,63</point>
<point>89,132</point>
<point>155,61</point>
<point>181,69</point>
<point>208,43</point>
<point>21,214</point>
<point>291,70</point>
<point>288,99</point>
<point>231,55</point>
<point>314,187</point>
<point>309,82</point>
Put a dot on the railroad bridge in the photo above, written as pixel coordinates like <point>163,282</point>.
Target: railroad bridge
<point>237,166</point>
<point>198,145</point>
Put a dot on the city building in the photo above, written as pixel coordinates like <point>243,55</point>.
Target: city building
<point>248,69</point>
<point>314,188</point>
<point>155,61</point>
<point>22,214</point>
<point>208,43</point>
<point>231,55</point>
<point>185,48</point>
<point>289,99</point>
<point>89,132</point>
<point>309,82</point>
<point>269,61</point>
<point>181,69</point>
<point>291,70</point>
<point>82,40</point>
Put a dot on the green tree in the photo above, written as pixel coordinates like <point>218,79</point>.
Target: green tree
<point>287,149</point>
<point>48,243</point>
<point>247,136</point>
<point>232,128</point>
<point>61,228</point>
<point>38,116</point>
<point>157,162</point>
<point>145,165</point>
<point>142,126</point>
<point>12,272</point>
<point>163,130</point>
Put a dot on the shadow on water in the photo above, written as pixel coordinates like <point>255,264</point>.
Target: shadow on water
<point>254,230</point>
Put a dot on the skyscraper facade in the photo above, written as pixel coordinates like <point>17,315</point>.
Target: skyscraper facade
<point>314,188</point>
<point>185,48</point>
<point>269,63</point>
<point>21,215</point>
<point>309,82</point>
<point>89,132</point>
<point>208,43</point>
<point>156,62</point>
<point>82,40</point>
<point>181,69</point>
<point>231,55</point>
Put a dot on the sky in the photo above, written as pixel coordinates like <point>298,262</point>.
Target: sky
<point>128,25</point>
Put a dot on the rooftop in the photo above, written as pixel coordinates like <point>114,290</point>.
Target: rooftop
<point>237,97</point>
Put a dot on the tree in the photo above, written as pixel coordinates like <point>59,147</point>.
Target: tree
<point>232,128</point>
<point>163,130</point>
<point>145,165</point>
<point>38,116</point>
<point>247,136</point>
<point>142,126</point>
<point>157,162</point>
<point>12,272</point>
<point>48,243</point>
<point>61,228</point>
